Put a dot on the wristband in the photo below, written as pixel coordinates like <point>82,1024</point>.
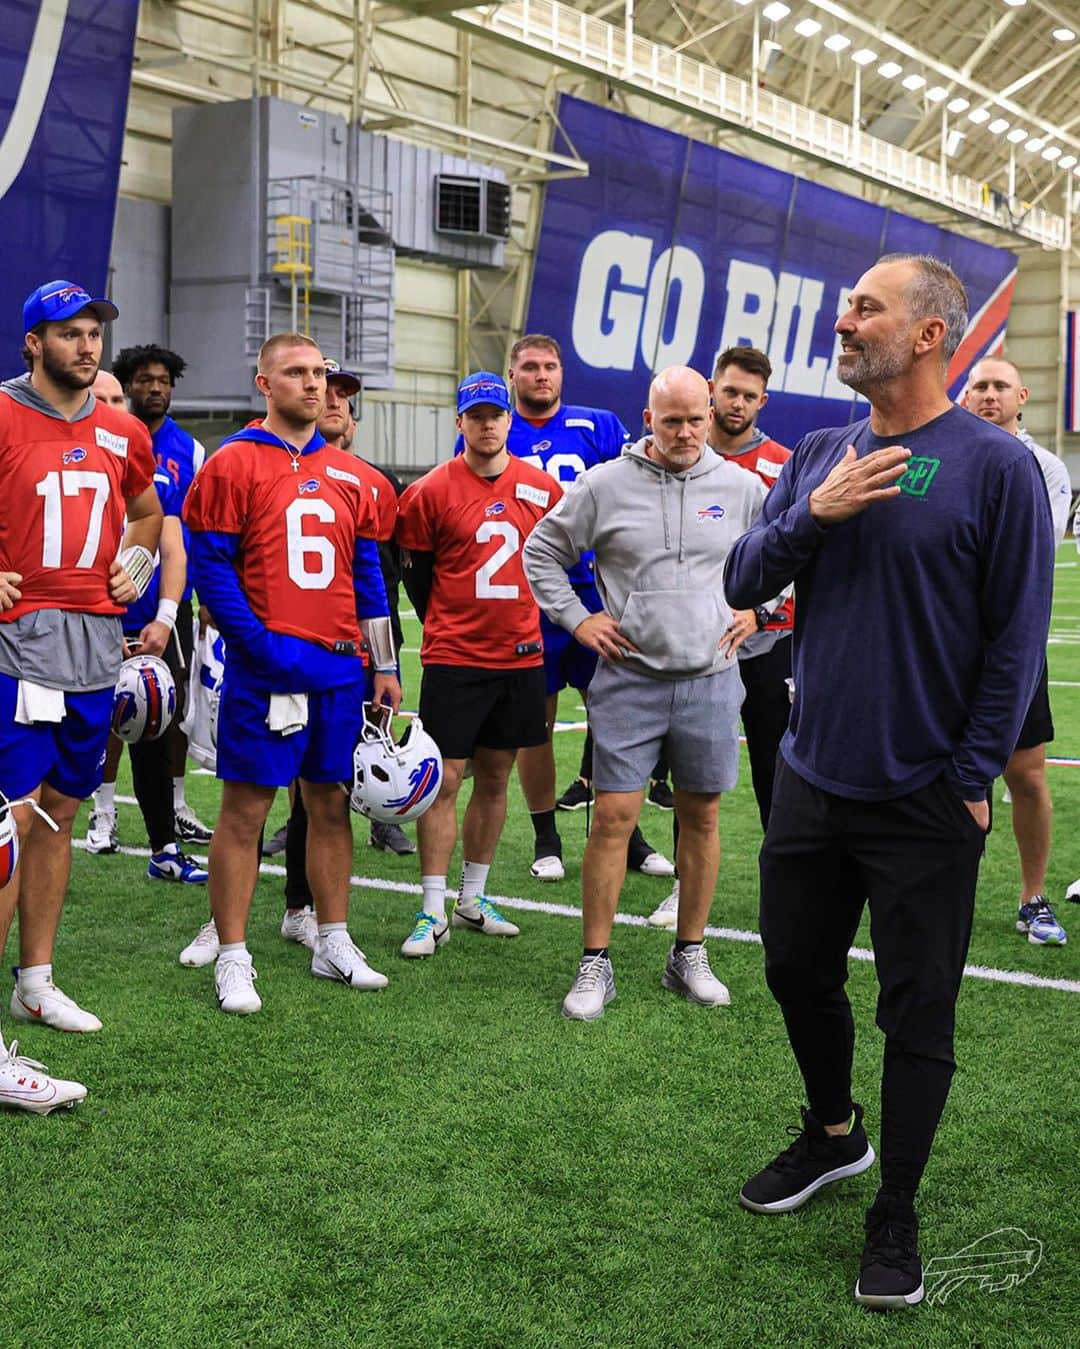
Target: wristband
<point>166,613</point>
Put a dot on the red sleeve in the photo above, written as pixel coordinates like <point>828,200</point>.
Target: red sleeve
<point>414,526</point>
<point>386,506</point>
<point>217,501</point>
<point>140,463</point>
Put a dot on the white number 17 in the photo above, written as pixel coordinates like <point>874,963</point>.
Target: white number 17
<point>70,482</point>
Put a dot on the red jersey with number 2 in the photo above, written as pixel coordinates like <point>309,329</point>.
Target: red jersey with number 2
<point>63,502</point>
<point>481,607</point>
<point>297,532</point>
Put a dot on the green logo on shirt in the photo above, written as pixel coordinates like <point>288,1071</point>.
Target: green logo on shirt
<point>920,474</point>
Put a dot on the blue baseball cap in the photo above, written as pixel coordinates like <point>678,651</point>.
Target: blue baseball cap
<point>348,379</point>
<point>57,300</point>
<point>483,387</point>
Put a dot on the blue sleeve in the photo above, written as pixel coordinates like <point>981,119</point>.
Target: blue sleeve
<point>368,582</point>
<point>772,552</point>
<point>613,439</point>
<point>212,567</point>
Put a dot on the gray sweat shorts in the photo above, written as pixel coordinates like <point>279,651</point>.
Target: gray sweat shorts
<point>696,721</point>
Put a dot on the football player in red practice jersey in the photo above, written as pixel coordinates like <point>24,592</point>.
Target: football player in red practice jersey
<point>79,525</point>
<point>282,542</point>
<point>462,527</point>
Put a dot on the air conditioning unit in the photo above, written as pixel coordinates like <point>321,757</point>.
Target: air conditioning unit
<point>479,207</point>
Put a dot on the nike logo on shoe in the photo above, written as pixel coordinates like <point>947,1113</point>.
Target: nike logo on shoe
<point>468,918</point>
<point>34,1011</point>
<point>346,978</point>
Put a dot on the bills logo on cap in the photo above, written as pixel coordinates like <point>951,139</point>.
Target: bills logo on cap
<point>496,508</point>
<point>711,513</point>
<point>75,456</point>
<point>312,485</point>
<point>67,294</point>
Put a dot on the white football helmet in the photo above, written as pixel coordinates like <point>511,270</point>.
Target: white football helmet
<point>145,699</point>
<point>9,835</point>
<point>394,781</point>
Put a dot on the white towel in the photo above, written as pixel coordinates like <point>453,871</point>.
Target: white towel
<point>288,712</point>
<point>34,702</point>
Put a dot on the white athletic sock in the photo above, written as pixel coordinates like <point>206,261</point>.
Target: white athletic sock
<point>326,928</point>
<point>473,879</point>
<point>34,976</point>
<point>234,950</point>
<point>179,801</point>
<point>434,888</point>
<point>105,798</point>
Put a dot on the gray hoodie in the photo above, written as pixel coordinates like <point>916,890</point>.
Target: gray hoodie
<point>661,540</point>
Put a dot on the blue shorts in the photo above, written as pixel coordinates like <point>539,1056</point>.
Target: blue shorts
<point>566,662</point>
<point>69,755</point>
<point>249,751</point>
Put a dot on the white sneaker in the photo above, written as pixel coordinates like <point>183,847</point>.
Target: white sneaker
<point>688,973</point>
<point>656,864</point>
<point>666,913</point>
<point>189,828</point>
<point>1073,892</point>
<point>234,983</point>
<point>204,949</point>
<point>25,1084</point>
<point>548,869</point>
<point>337,956</point>
<point>48,1006</point>
<point>428,934</point>
<point>481,915</point>
<point>300,926</point>
<point>591,991</point>
<point>101,833</point>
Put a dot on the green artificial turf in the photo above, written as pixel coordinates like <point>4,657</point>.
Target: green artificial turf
<point>449,1162</point>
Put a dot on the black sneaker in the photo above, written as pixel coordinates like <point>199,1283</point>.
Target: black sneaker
<point>276,842</point>
<point>813,1161</point>
<point>576,797</point>
<point>891,1274</point>
<point>661,795</point>
<point>391,838</point>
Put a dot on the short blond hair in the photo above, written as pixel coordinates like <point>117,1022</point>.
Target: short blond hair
<point>278,342</point>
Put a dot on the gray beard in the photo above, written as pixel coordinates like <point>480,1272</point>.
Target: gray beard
<point>870,368</point>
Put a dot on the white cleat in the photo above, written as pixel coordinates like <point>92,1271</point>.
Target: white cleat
<point>428,934</point>
<point>337,956</point>
<point>300,926</point>
<point>548,868</point>
<point>688,973</point>
<point>234,983</point>
<point>591,991</point>
<point>204,949</point>
<point>48,1006</point>
<point>666,913</point>
<point>25,1084</point>
<point>480,915</point>
<point>101,836</point>
<point>656,864</point>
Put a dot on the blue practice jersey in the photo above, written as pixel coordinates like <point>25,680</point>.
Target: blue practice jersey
<point>181,456</point>
<point>144,610</point>
<point>566,446</point>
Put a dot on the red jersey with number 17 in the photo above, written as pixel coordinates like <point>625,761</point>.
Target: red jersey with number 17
<point>297,532</point>
<point>63,501</point>
<point>481,607</point>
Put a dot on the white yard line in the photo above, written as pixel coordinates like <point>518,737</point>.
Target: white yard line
<point>732,934</point>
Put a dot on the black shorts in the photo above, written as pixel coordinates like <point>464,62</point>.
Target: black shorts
<point>1038,727</point>
<point>464,708</point>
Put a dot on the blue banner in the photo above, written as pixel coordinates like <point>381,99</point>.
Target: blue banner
<point>672,250</point>
<point>65,72</point>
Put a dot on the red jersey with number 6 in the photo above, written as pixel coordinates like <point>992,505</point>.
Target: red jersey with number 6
<point>297,532</point>
<point>481,607</point>
<point>63,496</point>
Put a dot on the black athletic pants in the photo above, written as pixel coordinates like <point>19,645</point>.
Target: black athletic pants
<point>765,712</point>
<point>916,861</point>
<point>151,761</point>
<point>297,890</point>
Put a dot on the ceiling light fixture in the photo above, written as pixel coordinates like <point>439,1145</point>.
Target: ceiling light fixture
<point>1067,162</point>
<point>776,11</point>
<point>978,116</point>
<point>807,27</point>
<point>1017,135</point>
<point>998,126</point>
<point>1016,4</point>
<point>1035,144</point>
<point>936,93</point>
<point>1064,35</point>
<point>1052,152</point>
<point>864,56</point>
<point>838,42</point>
<point>913,82</point>
<point>958,105</point>
<point>954,142</point>
<point>890,70</point>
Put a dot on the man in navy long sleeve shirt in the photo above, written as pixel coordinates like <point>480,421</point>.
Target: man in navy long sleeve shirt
<point>920,545</point>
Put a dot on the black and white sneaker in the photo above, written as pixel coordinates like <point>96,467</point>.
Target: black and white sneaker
<point>813,1161</point>
<point>190,829</point>
<point>891,1274</point>
<point>576,797</point>
<point>660,795</point>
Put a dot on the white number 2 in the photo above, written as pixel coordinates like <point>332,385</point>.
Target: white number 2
<point>486,588</point>
<point>70,482</point>
<point>303,548</point>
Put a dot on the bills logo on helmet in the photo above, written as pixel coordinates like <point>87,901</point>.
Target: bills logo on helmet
<point>145,700</point>
<point>496,508</point>
<point>75,456</point>
<point>422,780</point>
<point>9,845</point>
<point>711,513</point>
<point>312,485</point>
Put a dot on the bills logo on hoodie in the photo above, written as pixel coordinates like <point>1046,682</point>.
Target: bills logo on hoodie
<point>710,513</point>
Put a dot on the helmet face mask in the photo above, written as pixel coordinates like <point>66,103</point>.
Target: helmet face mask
<point>394,781</point>
<point>145,700</point>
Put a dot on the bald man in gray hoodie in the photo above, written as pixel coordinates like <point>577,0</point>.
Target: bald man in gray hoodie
<point>661,520</point>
